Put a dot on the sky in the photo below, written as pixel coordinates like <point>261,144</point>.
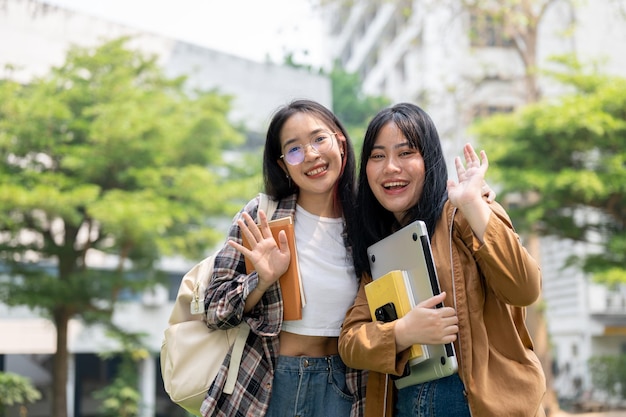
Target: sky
<point>253,29</point>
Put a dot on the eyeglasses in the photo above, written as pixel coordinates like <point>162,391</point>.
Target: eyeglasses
<point>320,143</point>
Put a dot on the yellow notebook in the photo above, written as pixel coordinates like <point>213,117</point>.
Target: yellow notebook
<point>389,298</point>
<point>290,281</point>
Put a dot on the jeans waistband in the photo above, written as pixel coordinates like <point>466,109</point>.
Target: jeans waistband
<point>312,364</point>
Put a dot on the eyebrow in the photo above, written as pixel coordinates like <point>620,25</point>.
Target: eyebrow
<point>312,133</point>
<point>397,146</point>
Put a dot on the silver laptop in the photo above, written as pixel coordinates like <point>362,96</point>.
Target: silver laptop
<point>409,249</point>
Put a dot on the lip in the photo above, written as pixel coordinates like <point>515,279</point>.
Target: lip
<point>394,185</point>
<point>317,170</point>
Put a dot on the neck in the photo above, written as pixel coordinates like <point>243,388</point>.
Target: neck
<point>322,205</point>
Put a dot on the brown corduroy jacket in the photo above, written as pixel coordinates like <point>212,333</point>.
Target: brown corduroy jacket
<point>493,282</point>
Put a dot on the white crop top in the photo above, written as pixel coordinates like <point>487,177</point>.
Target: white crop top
<point>328,279</point>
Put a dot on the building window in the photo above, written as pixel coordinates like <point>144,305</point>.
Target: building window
<point>487,31</point>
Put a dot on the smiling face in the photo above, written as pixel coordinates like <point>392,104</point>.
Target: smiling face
<point>395,171</point>
<point>317,174</point>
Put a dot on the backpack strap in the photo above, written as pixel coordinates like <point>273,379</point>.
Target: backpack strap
<point>268,205</point>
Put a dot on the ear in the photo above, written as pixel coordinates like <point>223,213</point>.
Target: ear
<point>281,164</point>
<point>341,141</point>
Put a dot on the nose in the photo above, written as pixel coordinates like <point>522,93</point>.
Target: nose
<point>392,165</point>
<point>309,148</point>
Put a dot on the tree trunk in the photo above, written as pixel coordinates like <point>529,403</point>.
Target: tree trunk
<point>60,364</point>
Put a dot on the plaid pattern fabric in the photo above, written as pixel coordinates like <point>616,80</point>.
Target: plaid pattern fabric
<point>224,304</point>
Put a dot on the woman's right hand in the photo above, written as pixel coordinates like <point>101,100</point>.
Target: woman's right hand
<point>427,325</point>
<point>270,260</point>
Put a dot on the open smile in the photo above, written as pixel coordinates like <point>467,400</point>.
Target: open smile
<point>393,185</point>
<point>316,171</point>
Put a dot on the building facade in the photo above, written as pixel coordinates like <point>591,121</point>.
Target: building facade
<point>35,36</point>
<point>459,66</point>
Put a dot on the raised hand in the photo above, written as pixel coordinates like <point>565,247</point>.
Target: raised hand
<point>471,177</point>
<point>270,260</point>
<point>467,194</point>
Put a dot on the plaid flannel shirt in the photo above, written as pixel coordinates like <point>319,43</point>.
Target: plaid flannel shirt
<point>224,303</point>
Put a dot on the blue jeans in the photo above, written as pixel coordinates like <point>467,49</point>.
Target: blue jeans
<point>309,387</point>
<point>443,397</point>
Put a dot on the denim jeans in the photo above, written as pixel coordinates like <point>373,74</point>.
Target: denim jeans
<point>443,397</point>
<point>310,387</point>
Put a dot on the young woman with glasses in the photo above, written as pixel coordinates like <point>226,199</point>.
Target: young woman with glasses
<point>486,277</point>
<point>292,368</point>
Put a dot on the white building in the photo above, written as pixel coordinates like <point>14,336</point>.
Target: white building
<point>421,51</point>
<point>35,36</point>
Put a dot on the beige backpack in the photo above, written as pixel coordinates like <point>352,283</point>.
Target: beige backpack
<point>191,353</point>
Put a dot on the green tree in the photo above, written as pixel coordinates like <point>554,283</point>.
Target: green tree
<point>16,390</point>
<point>608,374</point>
<point>122,397</point>
<point>568,157</point>
<point>353,107</point>
<point>107,154</point>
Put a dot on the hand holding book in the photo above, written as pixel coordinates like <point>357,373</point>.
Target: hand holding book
<point>427,325</point>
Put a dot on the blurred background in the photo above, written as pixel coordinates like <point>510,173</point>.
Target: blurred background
<point>131,133</point>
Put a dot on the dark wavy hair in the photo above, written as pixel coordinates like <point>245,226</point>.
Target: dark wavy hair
<point>278,186</point>
<point>374,221</point>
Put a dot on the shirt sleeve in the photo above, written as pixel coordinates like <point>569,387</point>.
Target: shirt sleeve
<point>509,270</point>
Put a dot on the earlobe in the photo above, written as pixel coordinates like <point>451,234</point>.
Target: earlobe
<point>341,141</point>
<point>282,165</point>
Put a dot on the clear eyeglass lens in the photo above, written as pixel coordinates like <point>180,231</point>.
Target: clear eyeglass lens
<point>320,143</point>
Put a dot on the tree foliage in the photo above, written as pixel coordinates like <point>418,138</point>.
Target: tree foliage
<point>608,374</point>
<point>122,397</point>
<point>353,107</point>
<point>16,390</point>
<point>567,157</point>
<point>105,154</point>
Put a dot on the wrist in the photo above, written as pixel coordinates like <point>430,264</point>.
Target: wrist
<point>260,289</point>
<point>400,335</point>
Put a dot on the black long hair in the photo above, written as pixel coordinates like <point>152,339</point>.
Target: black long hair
<point>374,221</point>
<point>278,186</point>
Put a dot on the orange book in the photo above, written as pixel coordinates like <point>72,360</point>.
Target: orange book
<point>290,281</point>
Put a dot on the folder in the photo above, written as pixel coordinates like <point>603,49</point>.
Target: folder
<point>390,297</point>
<point>291,280</point>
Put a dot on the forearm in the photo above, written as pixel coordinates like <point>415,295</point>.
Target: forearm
<point>509,269</point>
<point>253,298</point>
<point>477,214</point>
